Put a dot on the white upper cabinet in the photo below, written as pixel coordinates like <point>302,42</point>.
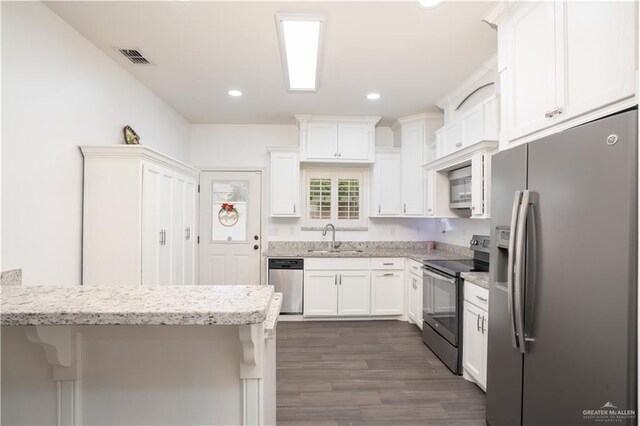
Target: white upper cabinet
<point>532,93</point>
<point>353,141</point>
<point>386,194</point>
<point>284,182</point>
<point>412,152</point>
<point>417,137</point>
<point>480,123</point>
<point>322,141</point>
<point>337,139</point>
<point>450,139</point>
<point>597,51</point>
<point>564,63</point>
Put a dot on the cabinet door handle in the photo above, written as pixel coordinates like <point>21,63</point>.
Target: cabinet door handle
<point>335,155</point>
<point>187,233</point>
<point>481,298</point>
<point>478,323</point>
<point>483,320</point>
<point>405,208</point>
<point>379,209</point>
<point>459,144</point>
<point>340,279</point>
<point>556,111</point>
<point>390,274</point>
<point>388,263</point>
<point>294,208</point>
<point>335,279</point>
<point>339,154</point>
<point>161,236</point>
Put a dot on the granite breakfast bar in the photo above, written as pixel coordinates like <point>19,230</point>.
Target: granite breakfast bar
<point>138,355</point>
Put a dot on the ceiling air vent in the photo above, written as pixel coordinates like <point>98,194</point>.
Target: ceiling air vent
<point>134,56</point>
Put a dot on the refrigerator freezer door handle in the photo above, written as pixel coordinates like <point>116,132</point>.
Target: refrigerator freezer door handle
<point>510,261</point>
<point>519,268</point>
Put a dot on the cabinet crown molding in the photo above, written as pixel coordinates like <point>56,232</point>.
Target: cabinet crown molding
<point>371,120</point>
<point>140,152</point>
<point>417,117</point>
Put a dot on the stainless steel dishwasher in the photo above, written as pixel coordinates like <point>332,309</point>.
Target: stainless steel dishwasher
<point>287,276</point>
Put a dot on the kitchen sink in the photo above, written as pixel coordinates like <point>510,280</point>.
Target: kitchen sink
<point>334,251</point>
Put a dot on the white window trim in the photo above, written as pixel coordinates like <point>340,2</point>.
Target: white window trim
<point>335,174</point>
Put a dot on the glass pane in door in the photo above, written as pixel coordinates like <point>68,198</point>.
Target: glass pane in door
<point>229,210</point>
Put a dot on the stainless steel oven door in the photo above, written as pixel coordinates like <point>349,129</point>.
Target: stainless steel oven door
<point>440,304</point>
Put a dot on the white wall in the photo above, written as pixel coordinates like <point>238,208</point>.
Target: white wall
<point>59,92</point>
<point>458,231</point>
<point>221,145</point>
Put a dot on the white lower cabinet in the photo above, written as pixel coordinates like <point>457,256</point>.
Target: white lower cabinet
<point>387,293</point>
<point>474,347</point>
<point>331,293</point>
<point>414,281</point>
<point>320,293</point>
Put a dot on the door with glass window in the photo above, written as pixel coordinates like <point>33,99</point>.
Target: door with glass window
<point>230,217</point>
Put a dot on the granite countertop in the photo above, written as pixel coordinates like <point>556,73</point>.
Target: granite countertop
<point>478,278</point>
<point>414,251</point>
<point>272,316</point>
<point>140,305</point>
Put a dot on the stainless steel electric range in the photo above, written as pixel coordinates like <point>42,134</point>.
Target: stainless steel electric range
<point>442,302</point>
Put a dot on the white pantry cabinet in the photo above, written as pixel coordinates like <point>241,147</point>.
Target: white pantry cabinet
<point>566,62</point>
<point>139,214</point>
<point>284,185</point>
<point>417,137</point>
<point>475,322</point>
<point>337,139</point>
<point>386,190</point>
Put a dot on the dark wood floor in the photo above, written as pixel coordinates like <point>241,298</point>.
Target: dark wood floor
<point>368,373</point>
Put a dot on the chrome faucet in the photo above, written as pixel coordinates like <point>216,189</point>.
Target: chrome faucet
<point>334,244</point>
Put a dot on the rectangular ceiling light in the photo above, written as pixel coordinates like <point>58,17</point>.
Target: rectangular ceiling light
<point>300,38</point>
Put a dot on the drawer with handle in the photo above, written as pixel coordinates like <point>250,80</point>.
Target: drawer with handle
<point>382,263</point>
<point>477,295</point>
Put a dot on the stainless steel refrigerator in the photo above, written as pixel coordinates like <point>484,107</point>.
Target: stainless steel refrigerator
<point>563,301</point>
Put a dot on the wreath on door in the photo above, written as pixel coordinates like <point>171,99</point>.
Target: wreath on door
<point>228,215</point>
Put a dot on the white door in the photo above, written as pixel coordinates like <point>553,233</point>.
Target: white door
<point>387,184</point>
<point>320,293</point>
<point>165,210</point>
<point>353,293</point>
<point>452,138</point>
<point>353,141</point>
<point>285,184</point>
<point>473,358</point>
<point>178,230</point>
<point>419,315</point>
<point>472,126</point>
<point>230,211</point>
<point>532,66</point>
<point>191,234</point>
<point>152,237</point>
<point>387,293</point>
<point>412,141</point>
<point>322,141</point>
<point>413,300</point>
<point>597,46</point>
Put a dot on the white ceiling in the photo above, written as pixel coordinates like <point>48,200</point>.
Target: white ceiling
<point>411,56</point>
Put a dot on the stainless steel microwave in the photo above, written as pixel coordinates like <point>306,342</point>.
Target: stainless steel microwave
<point>460,188</point>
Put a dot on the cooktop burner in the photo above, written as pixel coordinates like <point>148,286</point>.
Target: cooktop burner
<point>456,266</point>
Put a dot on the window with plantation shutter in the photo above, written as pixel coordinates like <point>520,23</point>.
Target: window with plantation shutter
<point>335,196</point>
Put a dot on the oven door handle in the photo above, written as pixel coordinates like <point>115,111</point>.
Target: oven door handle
<point>438,276</point>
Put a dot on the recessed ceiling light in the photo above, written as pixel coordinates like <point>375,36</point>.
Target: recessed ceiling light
<point>300,38</point>
<point>235,93</point>
<point>373,96</point>
<point>429,4</point>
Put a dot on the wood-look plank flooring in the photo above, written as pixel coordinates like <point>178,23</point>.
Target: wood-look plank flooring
<point>367,373</point>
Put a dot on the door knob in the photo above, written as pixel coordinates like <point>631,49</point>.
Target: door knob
<point>255,237</point>
<point>256,247</point>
